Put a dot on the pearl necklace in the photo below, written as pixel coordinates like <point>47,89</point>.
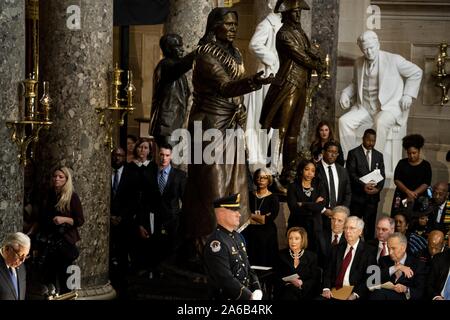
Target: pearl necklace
<point>262,195</point>
<point>296,255</point>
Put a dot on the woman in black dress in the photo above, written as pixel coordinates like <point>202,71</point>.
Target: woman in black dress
<point>412,175</point>
<point>322,136</point>
<point>296,261</point>
<point>305,200</point>
<point>261,234</point>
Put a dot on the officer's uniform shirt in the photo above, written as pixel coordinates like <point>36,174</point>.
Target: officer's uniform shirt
<point>227,265</point>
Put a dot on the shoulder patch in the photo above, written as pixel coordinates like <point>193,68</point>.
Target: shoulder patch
<point>215,246</point>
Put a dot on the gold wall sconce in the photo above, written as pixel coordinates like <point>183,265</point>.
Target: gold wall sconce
<point>442,78</point>
<point>113,116</point>
<point>25,130</point>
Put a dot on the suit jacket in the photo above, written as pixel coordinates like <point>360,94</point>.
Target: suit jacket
<point>165,206</point>
<point>438,275</point>
<point>307,271</point>
<point>344,195</point>
<point>7,291</point>
<point>324,247</point>
<point>392,69</point>
<point>358,273</point>
<point>440,225</point>
<point>358,167</point>
<point>416,283</point>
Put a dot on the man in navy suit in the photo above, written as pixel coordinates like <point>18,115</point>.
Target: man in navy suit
<point>365,196</point>
<point>337,184</point>
<point>438,286</point>
<point>13,252</point>
<point>167,190</point>
<point>406,272</point>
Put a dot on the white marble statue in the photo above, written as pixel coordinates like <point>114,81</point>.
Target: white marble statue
<point>262,45</point>
<point>384,85</point>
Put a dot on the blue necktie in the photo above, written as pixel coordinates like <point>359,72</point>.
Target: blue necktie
<point>13,277</point>
<point>162,181</point>
<point>447,289</point>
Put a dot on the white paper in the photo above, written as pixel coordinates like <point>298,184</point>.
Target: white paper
<point>261,268</point>
<point>373,177</point>
<point>245,225</point>
<point>291,277</point>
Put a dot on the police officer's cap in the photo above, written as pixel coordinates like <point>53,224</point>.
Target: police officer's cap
<point>232,202</point>
<point>287,5</point>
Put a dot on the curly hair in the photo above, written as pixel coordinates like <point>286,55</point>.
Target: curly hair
<point>413,140</point>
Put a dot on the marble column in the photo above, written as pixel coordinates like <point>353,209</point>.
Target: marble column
<point>76,58</point>
<point>325,29</point>
<point>12,66</point>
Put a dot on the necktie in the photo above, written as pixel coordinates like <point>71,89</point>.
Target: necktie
<point>344,266</point>
<point>447,289</point>
<point>13,276</point>
<point>115,185</point>
<point>368,158</point>
<point>335,240</point>
<point>383,250</point>
<point>161,181</point>
<point>332,188</point>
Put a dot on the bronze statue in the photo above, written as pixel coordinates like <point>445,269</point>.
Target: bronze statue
<point>170,89</point>
<point>285,102</point>
<point>219,83</point>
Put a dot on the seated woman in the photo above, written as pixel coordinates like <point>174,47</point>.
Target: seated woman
<point>322,136</point>
<point>412,175</point>
<point>59,221</point>
<point>261,234</point>
<point>305,200</point>
<point>296,261</point>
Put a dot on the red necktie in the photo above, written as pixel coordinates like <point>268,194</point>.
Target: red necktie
<point>344,266</point>
<point>335,240</point>
<point>383,251</point>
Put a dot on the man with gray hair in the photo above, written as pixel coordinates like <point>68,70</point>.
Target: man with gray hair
<point>330,238</point>
<point>383,98</point>
<point>406,272</point>
<point>349,262</point>
<point>384,228</point>
<point>13,252</point>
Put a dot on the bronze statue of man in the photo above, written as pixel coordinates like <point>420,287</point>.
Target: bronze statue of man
<point>170,89</point>
<point>285,102</point>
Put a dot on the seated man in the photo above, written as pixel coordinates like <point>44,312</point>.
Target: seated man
<point>385,227</point>
<point>349,262</point>
<point>440,217</point>
<point>438,286</point>
<point>383,98</point>
<point>406,272</point>
<point>225,255</point>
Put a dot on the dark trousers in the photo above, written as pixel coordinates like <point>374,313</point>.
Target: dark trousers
<point>368,212</point>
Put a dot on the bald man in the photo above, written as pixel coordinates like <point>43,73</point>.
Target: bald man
<point>438,286</point>
<point>435,242</point>
<point>440,217</point>
<point>384,85</point>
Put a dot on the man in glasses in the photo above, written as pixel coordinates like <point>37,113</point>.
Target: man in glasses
<point>13,252</point>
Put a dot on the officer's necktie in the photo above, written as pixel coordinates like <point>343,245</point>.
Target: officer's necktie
<point>332,188</point>
<point>13,276</point>
<point>162,181</point>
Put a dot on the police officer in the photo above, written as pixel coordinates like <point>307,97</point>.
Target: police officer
<point>225,255</point>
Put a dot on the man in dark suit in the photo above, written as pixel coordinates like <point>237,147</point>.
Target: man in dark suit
<point>385,227</point>
<point>438,286</point>
<point>337,184</point>
<point>406,272</point>
<point>328,239</point>
<point>365,196</point>
<point>441,208</point>
<point>13,252</point>
<point>349,262</point>
<point>167,190</point>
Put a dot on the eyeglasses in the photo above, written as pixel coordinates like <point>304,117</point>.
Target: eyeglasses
<point>20,257</point>
<point>262,177</point>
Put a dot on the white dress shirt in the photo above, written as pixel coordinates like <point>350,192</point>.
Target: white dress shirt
<point>346,281</point>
